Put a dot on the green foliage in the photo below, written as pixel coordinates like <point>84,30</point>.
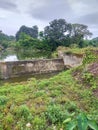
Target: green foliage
<point>5,40</point>
<point>8,119</point>
<point>55,33</point>
<point>71,107</point>
<point>94,42</point>
<point>88,77</point>
<point>22,111</point>
<point>32,32</point>
<point>48,104</point>
<point>3,100</point>
<point>39,123</point>
<point>81,122</point>
<point>90,56</point>
<point>54,114</point>
<point>32,48</point>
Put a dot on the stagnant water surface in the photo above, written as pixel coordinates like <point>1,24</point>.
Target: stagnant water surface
<point>25,78</point>
<point>11,55</point>
<point>23,54</point>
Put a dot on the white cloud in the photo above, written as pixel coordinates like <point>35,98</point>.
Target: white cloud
<point>14,14</point>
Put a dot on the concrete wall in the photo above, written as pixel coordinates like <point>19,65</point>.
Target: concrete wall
<point>18,68</point>
<point>71,60</point>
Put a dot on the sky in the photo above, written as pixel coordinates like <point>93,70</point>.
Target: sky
<point>15,13</point>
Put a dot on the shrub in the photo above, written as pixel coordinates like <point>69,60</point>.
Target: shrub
<point>39,123</point>
<point>3,100</point>
<point>54,114</point>
<point>23,111</point>
<point>8,120</point>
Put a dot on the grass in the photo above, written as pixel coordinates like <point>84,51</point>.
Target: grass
<point>75,50</point>
<point>21,103</point>
<point>45,104</point>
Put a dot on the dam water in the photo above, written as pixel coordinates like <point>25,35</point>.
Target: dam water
<point>17,66</point>
<point>11,55</point>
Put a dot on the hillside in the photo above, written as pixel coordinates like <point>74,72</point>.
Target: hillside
<point>46,104</point>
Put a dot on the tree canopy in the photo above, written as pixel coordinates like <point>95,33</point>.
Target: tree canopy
<point>33,32</point>
<point>57,33</point>
<point>5,40</point>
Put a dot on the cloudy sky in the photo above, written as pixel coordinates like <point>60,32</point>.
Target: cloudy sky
<point>14,14</point>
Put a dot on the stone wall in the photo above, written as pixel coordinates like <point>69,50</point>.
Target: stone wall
<point>18,68</point>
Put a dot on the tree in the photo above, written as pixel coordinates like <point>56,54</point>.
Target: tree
<point>33,32</point>
<point>94,42</point>
<point>81,30</point>
<point>31,47</point>
<point>41,35</point>
<point>5,40</point>
<point>78,32</point>
<point>55,32</point>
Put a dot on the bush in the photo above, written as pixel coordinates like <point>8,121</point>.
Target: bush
<point>3,100</point>
<point>8,120</point>
<point>54,114</point>
<point>39,123</point>
<point>23,111</point>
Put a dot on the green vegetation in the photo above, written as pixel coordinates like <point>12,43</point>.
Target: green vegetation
<point>57,33</point>
<point>32,48</point>
<point>94,42</point>
<point>66,101</point>
<point>82,122</point>
<point>6,41</point>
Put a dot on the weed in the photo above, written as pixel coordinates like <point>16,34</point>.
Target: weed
<point>3,100</point>
<point>22,111</point>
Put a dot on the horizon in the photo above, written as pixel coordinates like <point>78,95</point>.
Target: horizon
<point>14,14</point>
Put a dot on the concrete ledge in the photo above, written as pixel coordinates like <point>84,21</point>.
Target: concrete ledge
<point>17,68</point>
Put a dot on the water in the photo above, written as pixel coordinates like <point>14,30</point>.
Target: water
<point>25,78</point>
<point>12,55</point>
<point>23,54</point>
<point>11,58</point>
<point>8,55</point>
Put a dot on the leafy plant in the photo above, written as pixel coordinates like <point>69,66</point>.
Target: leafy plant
<point>81,122</point>
<point>3,100</point>
<point>23,111</point>
<point>39,123</point>
<point>54,114</point>
<point>90,79</point>
<point>90,57</point>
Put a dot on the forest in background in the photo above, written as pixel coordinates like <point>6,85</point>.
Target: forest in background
<point>57,33</point>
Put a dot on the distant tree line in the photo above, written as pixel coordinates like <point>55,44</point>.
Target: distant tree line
<point>5,40</point>
<point>57,33</point>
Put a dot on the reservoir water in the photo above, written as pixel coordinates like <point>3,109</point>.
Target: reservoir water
<point>12,55</point>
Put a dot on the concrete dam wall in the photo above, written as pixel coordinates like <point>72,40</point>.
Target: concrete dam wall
<point>71,60</point>
<point>18,68</point>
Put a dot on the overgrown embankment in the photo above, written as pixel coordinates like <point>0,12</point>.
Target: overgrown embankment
<point>46,104</point>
